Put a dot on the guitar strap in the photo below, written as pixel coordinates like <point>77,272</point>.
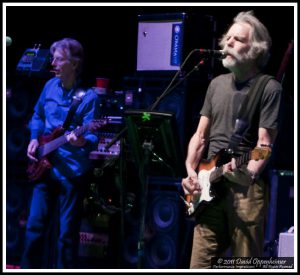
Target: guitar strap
<point>247,109</point>
<point>77,99</point>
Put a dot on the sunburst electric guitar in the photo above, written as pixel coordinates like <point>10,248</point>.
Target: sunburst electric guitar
<point>210,172</point>
<point>49,143</point>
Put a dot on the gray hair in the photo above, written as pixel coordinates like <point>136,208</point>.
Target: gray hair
<point>72,48</point>
<point>260,39</point>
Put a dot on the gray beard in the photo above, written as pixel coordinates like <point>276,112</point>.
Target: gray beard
<point>234,64</point>
<point>231,65</point>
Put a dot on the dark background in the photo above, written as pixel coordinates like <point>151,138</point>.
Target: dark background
<point>109,34</point>
<point>109,38</point>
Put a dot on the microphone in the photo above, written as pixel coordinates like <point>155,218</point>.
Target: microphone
<point>8,41</point>
<point>213,53</point>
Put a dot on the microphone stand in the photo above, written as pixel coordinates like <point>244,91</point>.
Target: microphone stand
<point>164,93</point>
<point>144,168</point>
<point>168,90</point>
<point>117,137</point>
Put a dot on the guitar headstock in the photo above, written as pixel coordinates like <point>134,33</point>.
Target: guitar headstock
<point>259,153</point>
<point>96,124</point>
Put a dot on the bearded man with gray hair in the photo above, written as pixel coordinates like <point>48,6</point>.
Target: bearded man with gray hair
<point>230,185</point>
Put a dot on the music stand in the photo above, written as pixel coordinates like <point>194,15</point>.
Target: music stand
<point>154,143</point>
<point>157,131</point>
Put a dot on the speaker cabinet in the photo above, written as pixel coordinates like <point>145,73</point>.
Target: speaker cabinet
<point>21,95</point>
<point>17,203</point>
<point>162,228</point>
<point>146,90</point>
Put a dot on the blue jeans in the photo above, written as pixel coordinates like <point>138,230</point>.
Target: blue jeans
<point>68,195</point>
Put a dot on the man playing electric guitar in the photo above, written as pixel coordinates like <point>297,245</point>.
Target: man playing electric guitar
<point>65,181</point>
<point>211,172</point>
<point>39,162</point>
<point>236,218</point>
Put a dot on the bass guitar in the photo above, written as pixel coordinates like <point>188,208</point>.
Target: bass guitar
<point>49,143</point>
<point>209,173</point>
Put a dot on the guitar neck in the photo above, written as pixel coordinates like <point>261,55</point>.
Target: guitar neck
<point>49,147</point>
<point>218,172</point>
<point>79,131</point>
<point>244,158</point>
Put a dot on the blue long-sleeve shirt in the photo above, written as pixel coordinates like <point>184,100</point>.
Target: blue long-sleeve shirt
<point>50,112</point>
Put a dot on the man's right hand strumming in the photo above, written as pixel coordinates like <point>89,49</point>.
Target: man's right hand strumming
<point>191,185</point>
<point>31,149</point>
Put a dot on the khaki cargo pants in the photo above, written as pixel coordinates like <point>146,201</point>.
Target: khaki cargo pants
<point>236,220</point>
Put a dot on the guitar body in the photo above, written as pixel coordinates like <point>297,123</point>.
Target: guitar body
<point>205,170</point>
<point>36,169</point>
<point>210,172</point>
<point>50,142</point>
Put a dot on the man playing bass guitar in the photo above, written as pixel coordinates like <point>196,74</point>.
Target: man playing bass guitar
<point>234,218</point>
<point>65,180</point>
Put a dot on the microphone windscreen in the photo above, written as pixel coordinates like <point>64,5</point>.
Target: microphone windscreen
<point>8,41</point>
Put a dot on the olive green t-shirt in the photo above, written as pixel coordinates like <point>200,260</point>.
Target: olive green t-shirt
<point>223,99</point>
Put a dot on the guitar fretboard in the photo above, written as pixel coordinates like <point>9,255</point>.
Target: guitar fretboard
<point>243,158</point>
<point>47,148</point>
<point>218,172</point>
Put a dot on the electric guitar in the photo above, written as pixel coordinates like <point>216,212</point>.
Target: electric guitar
<point>50,142</point>
<point>210,173</point>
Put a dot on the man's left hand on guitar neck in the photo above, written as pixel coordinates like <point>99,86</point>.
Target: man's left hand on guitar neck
<point>240,175</point>
<point>76,141</point>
